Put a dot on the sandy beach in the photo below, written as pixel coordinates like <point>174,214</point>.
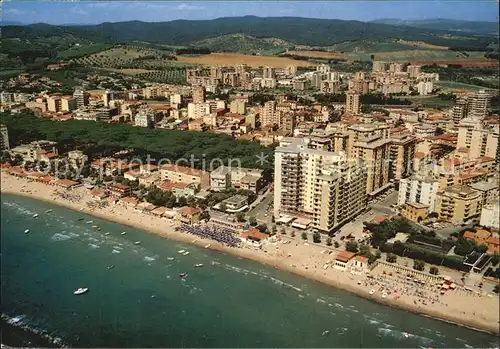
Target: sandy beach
<point>471,309</point>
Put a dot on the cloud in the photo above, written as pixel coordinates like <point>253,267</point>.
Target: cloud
<point>12,11</point>
<point>286,11</point>
<point>186,7</point>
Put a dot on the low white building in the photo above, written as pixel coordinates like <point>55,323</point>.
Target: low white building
<point>490,217</point>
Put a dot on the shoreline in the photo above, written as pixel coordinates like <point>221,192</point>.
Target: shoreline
<point>466,320</point>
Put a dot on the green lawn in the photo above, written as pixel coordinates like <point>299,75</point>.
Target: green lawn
<point>452,85</point>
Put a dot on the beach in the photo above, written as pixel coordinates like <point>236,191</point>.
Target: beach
<point>459,306</point>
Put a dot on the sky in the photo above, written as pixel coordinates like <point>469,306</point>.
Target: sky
<point>93,12</point>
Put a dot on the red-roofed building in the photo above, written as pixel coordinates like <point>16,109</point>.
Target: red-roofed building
<point>188,215</point>
<point>182,174</point>
<point>359,264</point>
<point>253,236</point>
<point>343,259</point>
<point>118,190</point>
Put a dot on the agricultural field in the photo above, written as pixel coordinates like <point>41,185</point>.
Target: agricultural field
<point>231,59</point>
<point>171,76</point>
<point>422,44</point>
<point>465,63</point>
<point>78,50</point>
<point>417,55</point>
<point>448,86</point>
<point>124,57</point>
<point>318,54</point>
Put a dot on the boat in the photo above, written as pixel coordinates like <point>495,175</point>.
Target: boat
<point>181,251</point>
<point>89,222</point>
<point>207,246</point>
<point>372,291</point>
<point>110,266</point>
<point>123,233</point>
<point>199,265</point>
<point>183,275</point>
<point>325,333</point>
<point>406,334</point>
<point>50,210</point>
<point>170,258</point>
<point>35,215</point>
<point>81,219</point>
<point>106,234</point>
<point>185,253</point>
<point>26,231</point>
<point>137,243</point>
<point>94,226</point>
<point>81,290</point>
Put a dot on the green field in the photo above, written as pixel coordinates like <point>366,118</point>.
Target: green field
<point>452,85</point>
<point>406,55</point>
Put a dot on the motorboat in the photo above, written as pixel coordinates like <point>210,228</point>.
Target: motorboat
<point>90,222</point>
<point>95,226</point>
<point>110,266</point>
<point>106,234</point>
<point>35,215</point>
<point>183,275</point>
<point>49,210</point>
<point>372,291</point>
<point>325,333</point>
<point>185,253</point>
<point>81,290</point>
<point>137,243</point>
<point>181,251</point>
<point>199,265</point>
<point>170,258</point>
<point>26,231</point>
<point>123,233</point>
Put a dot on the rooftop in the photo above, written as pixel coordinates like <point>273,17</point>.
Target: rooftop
<point>345,256</point>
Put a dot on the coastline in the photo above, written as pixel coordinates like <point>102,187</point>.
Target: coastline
<point>337,279</point>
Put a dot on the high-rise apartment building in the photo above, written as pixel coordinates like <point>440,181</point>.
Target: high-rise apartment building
<point>4,138</point>
<point>413,71</point>
<point>478,105</point>
<point>480,140</point>
<point>199,94</point>
<point>238,106</point>
<point>352,103</point>
<point>458,204</point>
<point>323,69</point>
<point>459,110</point>
<point>81,97</point>
<point>324,188</point>
<point>268,73</point>
<point>402,155</point>
<point>379,66</point>
<point>375,151</point>
<point>269,115</point>
<point>418,189</point>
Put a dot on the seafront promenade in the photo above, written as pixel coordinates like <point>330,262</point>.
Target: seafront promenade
<point>460,306</point>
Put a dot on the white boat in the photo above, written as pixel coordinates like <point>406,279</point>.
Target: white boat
<point>106,234</point>
<point>185,253</point>
<point>48,211</point>
<point>325,333</point>
<point>81,290</point>
<point>123,233</point>
<point>406,334</point>
<point>26,231</point>
<point>170,258</point>
<point>35,215</point>
<point>207,246</point>
<point>137,243</point>
<point>181,251</point>
<point>95,226</point>
<point>199,265</point>
<point>372,291</point>
<point>90,222</point>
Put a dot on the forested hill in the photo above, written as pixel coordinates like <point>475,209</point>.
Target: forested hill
<point>485,28</point>
<point>303,31</point>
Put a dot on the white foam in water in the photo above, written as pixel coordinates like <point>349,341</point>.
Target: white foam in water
<point>319,300</point>
<point>115,251</point>
<point>19,208</point>
<point>94,246</point>
<point>60,237</point>
<point>149,259</point>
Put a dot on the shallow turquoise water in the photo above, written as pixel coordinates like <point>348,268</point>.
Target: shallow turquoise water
<point>142,302</point>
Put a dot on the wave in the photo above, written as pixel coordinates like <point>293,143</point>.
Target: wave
<point>19,208</point>
<point>60,237</point>
<point>116,251</point>
<point>23,322</point>
<point>94,246</point>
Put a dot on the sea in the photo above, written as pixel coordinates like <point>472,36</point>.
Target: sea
<point>137,299</point>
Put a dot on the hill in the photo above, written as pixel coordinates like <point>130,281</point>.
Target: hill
<point>296,30</point>
<point>244,44</point>
<point>485,28</point>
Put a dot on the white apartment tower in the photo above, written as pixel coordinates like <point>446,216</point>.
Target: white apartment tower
<point>418,189</point>
<point>4,138</point>
<point>352,103</point>
<point>328,188</point>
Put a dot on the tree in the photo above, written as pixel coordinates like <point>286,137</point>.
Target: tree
<point>263,228</point>
<point>496,289</point>
<point>328,241</point>
<point>391,258</point>
<point>223,207</point>
<point>434,270</point>
<point>418,265</point>
<point>336,244</point>
<point>316,237</point>
<point>482,248</point>
<point>495,259</point>
<point>304,236</point>
<point>351,246</point>
<point>253,221</point>
<point>182,201</point>
<point>191,201</point>
<point>464,246</point>
<point>283,231</point>
<point>205,215</point>
<point>240,217</point>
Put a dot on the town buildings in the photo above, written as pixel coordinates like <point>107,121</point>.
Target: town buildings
<point>4,138</point>
<point>418,189</point>
<point>458,204</point>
